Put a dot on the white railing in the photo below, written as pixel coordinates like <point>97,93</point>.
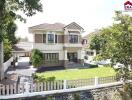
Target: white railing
<point>72,45</point>
<point>7,64</point>
<point>52,47</point>
<point>54,85</point>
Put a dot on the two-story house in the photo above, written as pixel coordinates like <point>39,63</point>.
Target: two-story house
<point>59,43</point>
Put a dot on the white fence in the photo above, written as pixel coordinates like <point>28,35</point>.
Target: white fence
<point>7,64</point>
<point>54,85</point>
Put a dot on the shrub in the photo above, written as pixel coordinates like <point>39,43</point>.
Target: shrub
<point>41,78</point>
<point>98,57</point>
<point>36,58</point>
<point>76,96</point>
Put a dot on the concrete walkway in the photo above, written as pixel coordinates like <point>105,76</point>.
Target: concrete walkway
<point>22,67</point>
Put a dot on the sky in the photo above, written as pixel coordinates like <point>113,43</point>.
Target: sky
<point>90,14</point>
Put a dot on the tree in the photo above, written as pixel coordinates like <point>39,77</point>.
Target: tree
<point>8,14</point>
<point>96,43</point>
<point>118,42</point>
<point>36,58</point>
<point>7,49</point>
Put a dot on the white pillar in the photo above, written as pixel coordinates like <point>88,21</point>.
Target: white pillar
<point>78,54</point>
<point>96,81</point>
<point>64,84</point>
<point>94,51</point>
<point>65,55</point>
<point>1,61</point>
<point>27,87</point>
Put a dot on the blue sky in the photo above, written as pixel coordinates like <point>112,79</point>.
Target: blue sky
<point>90,14</point>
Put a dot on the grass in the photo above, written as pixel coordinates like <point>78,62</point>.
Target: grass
<point>71,74</point>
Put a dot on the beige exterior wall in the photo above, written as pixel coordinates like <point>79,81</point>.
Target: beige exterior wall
<point>62,47</point>
<point>38,38</point>
<point>60,38</point>
<point>48,47</point>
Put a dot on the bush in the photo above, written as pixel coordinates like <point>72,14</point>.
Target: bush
<point>76,96</point>
<point>93,66</point>
<point>98,57</point>
<point>36,58</point>
<point>41,78</point>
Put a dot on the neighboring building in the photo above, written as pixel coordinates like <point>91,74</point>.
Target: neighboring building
<point>59,43</point>
<point>86,46</point>
<point>22,49</point>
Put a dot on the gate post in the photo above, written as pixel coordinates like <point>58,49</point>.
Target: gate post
<point>65,85</point>
<point>96,81</point>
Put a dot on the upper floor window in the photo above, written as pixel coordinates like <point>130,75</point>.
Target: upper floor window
<point>73,38</point>
<point>50,38</point>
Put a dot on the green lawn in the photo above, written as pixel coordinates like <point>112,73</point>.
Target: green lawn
<point>71,74</point>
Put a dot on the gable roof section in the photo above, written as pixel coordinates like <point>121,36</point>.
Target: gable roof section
<point>73,25</point>
<point>128,2</point>
<point>46,26</point>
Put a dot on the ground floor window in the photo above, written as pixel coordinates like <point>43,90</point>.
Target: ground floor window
<point>51,58</point>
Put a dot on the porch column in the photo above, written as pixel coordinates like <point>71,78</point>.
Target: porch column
<point>1,61</point>
<point>80,56</point>
<point>65,55</point>
<point>65,58</point>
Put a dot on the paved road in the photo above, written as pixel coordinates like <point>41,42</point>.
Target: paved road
<point>23,67</point>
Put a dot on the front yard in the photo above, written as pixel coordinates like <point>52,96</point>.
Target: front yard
<point>71,74</point>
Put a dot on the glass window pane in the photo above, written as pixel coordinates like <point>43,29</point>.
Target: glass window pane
<point>50,38</point>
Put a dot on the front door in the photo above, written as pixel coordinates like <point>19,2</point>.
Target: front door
<point>72,57</point>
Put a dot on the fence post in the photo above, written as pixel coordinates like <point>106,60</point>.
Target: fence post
<point>65,85</point>
<point>96,81</point>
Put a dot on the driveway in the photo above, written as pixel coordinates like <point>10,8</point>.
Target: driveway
<point>22,67</point>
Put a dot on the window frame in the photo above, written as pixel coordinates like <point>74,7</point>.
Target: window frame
<point>73,38</point>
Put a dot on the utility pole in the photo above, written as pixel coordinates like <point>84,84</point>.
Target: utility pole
<point>1,61</point>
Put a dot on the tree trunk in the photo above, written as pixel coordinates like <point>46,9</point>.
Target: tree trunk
<point>1,61</point>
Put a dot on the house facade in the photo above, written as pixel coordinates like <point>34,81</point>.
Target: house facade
<point>59,43</point>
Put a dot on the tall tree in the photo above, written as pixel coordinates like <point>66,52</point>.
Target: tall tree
<point>118,42</point>
<point>8,14</point>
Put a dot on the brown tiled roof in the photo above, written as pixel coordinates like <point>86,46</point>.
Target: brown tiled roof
<point>22,46</point>
<point>46,26</point>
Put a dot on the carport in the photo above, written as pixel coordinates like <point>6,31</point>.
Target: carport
<point>20,50</point>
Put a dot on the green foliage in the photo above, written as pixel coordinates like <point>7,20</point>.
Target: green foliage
<point>49,98</point>
<point>98,57</point>
<point>96,43</point>
<point>36,58</point>
<point>8,15</point>
<point>7,49</point>
<point>76,96</point>
<point>115,42</point>
<point>42,78</point>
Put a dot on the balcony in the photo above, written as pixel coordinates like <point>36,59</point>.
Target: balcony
<point>48,47</point>
<point>73,45</point>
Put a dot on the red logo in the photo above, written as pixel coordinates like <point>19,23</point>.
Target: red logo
<point>128,6</point>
